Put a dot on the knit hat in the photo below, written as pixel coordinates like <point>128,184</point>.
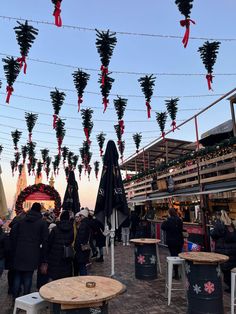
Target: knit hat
<point>83,212</point>
<point>36,207</point>
<point>65,215</point>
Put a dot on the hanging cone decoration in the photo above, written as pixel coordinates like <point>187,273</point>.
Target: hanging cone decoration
<point>56,164</point>
<point>121,148</point>
<point>29,168</point>
<point>87,122</point>
<point>25,36</point>
<point>39,169</point>
<point>17,158</point>
<point>80,168</point>
<point>70,160</point>
<point>65,151</point>
<point>85,155</point>
<point>172,108</point>
<point>105,43</point>
<point>147,84</point>
<point>120,105</point>
<point>185,7</point>
<point>101,140</point>
<point>75,159</point>
<point>161,120</point>
<point>57,12</point>
<point>137,137</point>
<point>80,79</point>
<point>1,149</point>
<point>24,152</point>
<point>16,137</point>
<point>47,168</point>
<point>96,168</point>
<point>12,70</point>
<point>208,54</point>
<point>118,133</point>
<point>13,166</point>
<point>31,151</point>
<point>67,172</point>
<point>30,119</point>
<point>105,89</point>
<point>60,133</point>
<point>0,83</point>
<point>89,171</point>
<point>20,168</point>
<point>57,102</point>
<point>44,154</point>
<point>33,165</point>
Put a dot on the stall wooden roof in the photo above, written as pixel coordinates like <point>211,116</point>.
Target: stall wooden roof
<point>155,153</point>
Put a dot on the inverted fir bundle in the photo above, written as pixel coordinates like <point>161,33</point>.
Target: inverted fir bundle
<point>100,140</point>
<point>24,152</point>
<point>44,154</point>
<point>105,89</point>
<point>30,119</point>
<point>96,168</point>
<point>87,122</point>
<point>120,105</point>
<point>60,133</point>
<point>16,135</point>
<point>161,120</point>
<point>172,108</point>
<point>80,79</point>
<point>65,151</point>
<point>137,137</point>
<point>12,70</point>
<point>147,84</point>
<point>57,99</point>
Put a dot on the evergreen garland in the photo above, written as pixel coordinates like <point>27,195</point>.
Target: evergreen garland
<point>96,168</point>
<point>30,119</point>
<point>137,137</point>
<point>12,70</point>
<point>24,152</point>
<point>57,12</point>
<point>85,155</point>
<point>65,151</point>
<point>172,108</point>
<point>25,36</point>
<point>101,139</point>
<point>105,89</point>
<point>75,159</point>
<point>120,105</point>
<point>80,79</point>
<point>33,165</point>
<point>121,148</point>
<point>161,120</point>
<point>56,164</point>
<point>39,169</point>
<point>1,149</point>
<point>31,151</point>
<point>13,166</point>
<point>17,158</point>
<point>147,84</point>
<point>20,168</point>
<point>80,168</point>
<point>57,99</point>
<point>208,54</point>
<point>47,167</point>
<point>16,137</point>
<point>118,133</point>
<point>89,168</point>
<point>44,154</point>
<point>70,160</point>
<point>60,133</point>
<point>87,122</point>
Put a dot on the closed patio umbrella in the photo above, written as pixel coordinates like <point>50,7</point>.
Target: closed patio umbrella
<point>71,199</point>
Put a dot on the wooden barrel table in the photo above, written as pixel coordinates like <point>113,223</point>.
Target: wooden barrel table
<point>146,258</point>
<point>204,283</point>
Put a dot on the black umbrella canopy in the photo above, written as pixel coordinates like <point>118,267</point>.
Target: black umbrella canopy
<point>111,194</point>
<point>71,198</point>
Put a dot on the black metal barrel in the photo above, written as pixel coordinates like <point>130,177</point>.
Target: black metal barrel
<point>145,261</point>
<point>204,288</point>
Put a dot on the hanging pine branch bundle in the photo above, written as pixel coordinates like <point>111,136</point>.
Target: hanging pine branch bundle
<point>0,83</point>
<point>56,164</point>
<point>80,168</point>
<point>121,148</point>
<point>137,137</point>
<point>57,99</point>
<point>161,120</point>
<point>172,108</point>
<point>120,105</point>
<point>57,12</point>
<point>60,133</point>
<point>12,70</point>
<point>147,84</point>
<point>87,122</point>
<point>39,169</point>
<point>20,168</point>
<point>85,155</point>
<point>66,169</point>
<point>33,165</point>
<point>44,154</point>
<point>65,151</point>
<point>30,119</point>
<point>75,159</point>
<point>47,168</point>
<point>96,168</point>
<point>105,89</point>
<point>118,133</point>
<point>25,36</point>
<point>16,137</point>
<point>80,79</point>
<point>13,166</point>
<point>105,43</point>
<point>1,149</point>
<point>24,152</point>
<point>31,151</point>
<point>185,7</point>
<point>101,139</point>
<point>17,158</point>
<point>29,168</point>
<point>89,168</point>
<point>70,160</point>
<point>208,54</point>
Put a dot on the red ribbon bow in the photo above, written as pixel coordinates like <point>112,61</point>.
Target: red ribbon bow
<point>22,61</point>
<point>122,126</point>
<point>163,135</point>
<point>56,13</point>
<point>186,23</point>
<point>80,100</point>
<point>9,92</point>
<point>105,102</point>
<point>173,124</point>
<point>209,78</point>
<point>86,132</point>
<point>104,73</point>
<point>148,109</point>
<point>55,118</point>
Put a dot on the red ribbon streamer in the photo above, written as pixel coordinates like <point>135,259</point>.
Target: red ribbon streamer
<point>30,137</point>
<point>56,13</point>
<point>122,126</point>
<point>105,102</point>
<point>163,135</point>
<point>186,23</point>
<point>101,152</point>
<point>118,143</point>
<point>104,73</point>
<point>9,92</point>
<point>55,117</point>
<point>173,124</point>
<point>148,109</point>
<point>80,100</point>
<point>22,61</point>
<point>209,78</point>
<point>86,132</point>
<point>59,141</point>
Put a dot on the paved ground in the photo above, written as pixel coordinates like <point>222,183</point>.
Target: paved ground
<point>146,297</point>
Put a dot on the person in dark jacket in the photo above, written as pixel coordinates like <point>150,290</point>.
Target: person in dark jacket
<point>99,238</point>
<point>81,246</point>
<point>61,235</point>
<point>3,244</point>
<point>134,219</point>
<point>28,235</point>
<point>173,227</point>
<point>125,231</point>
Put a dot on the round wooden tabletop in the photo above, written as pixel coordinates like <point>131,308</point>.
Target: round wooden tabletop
<point>204,257</point>
<point>73,290</point>
<point>145,241</point>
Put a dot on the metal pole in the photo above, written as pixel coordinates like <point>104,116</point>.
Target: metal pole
<point>196,129</point>
<point>112,234</point>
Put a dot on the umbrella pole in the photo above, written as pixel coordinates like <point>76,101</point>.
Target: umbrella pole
<point>113,228</point>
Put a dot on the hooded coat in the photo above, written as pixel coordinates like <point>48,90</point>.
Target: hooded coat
<point>82,237</point>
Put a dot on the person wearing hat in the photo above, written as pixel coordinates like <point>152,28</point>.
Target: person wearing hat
<point>3,239</point>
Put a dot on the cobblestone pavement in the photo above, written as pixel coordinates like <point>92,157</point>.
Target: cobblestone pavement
<point>146,297</point>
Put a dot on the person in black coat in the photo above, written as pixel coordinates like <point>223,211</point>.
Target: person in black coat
<point>134,219</point>
<point>81,246</point>
<point>61,235</point>
<point>99,238</point>
<point>27,236</point>
<point>173,227</point>
<point>3,245</point>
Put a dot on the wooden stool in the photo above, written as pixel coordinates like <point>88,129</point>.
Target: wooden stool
<point>233,279</point>
<point>31,303</point>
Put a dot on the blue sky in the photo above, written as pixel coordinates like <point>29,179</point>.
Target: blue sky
<point>68,46</point>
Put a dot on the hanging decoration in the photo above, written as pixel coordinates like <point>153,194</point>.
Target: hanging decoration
<point>101,140</point>
<point>57,12</point>
<point>20,168</point>
<point>47,167</point>
<point>161,120</point>
<point>56,164</point>
<point>118,133</point>
<point>89,171</point>
<point>85,155</point>
<point>80,79</point>
<point>65,151</point>
<point>16,135</point>
<point>121,148</point>
<point>67,172</point>
<point>44,154</point>
<point>13,166</point>
<point>57,102</point>
<point>25,36</point>
<point>96,168</point>
<point>70,160</point>
<point>147,84</point>
<point>12,70</point>
<point>120,105</point>
<point>87,122</point>
<point>24,152</point>
<point>60,133</point>
<point>185,7</point>
<point>30,119</point>
<point>80,168</point>
<point>0,83</point>
<point>39,169</point>
<point>33,165</point>
<point>31,151</point>
<point>1,149</point>
<point>208,54</point>
<point>172,108</point>
<point>137,137</point>
<point>17,158</point>
<point>75,159</point>
<point>105,89</point>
